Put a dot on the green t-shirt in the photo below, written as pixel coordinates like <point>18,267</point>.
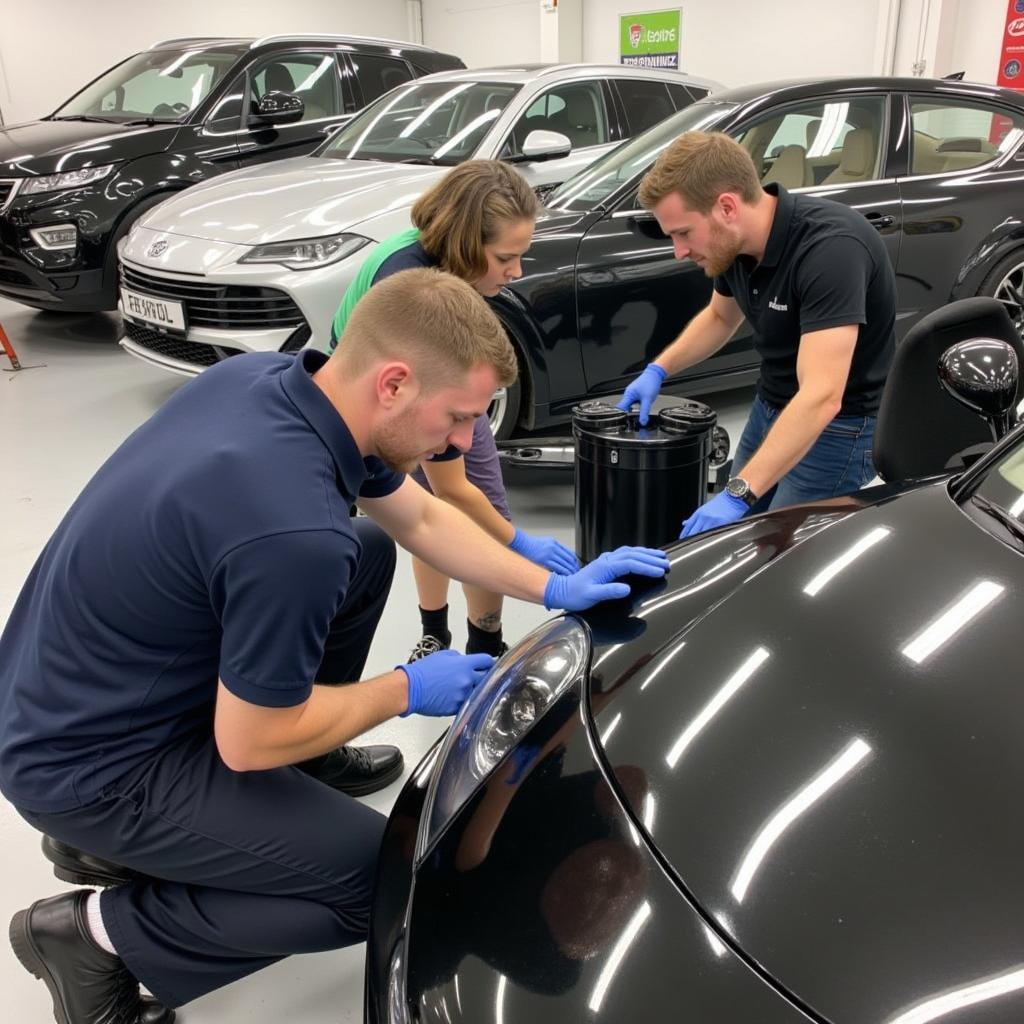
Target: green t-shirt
<point>364,278</point>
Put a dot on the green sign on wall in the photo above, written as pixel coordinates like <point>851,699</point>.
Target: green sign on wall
<point>651,39</point>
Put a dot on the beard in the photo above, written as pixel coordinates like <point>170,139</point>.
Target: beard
<point>394,441</point>
<point>722,252</point>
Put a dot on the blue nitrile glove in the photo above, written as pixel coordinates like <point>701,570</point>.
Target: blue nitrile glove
<point>440,683</point>
<point>723,508</point>
<point>596,581</point>
<point>644,390</point>
<point>545,551</point>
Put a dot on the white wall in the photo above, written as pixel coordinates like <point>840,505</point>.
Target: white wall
<point>50,48</point>
<point>751,41</point>
<point>978,39</point>
<point>484,32</point>
<point>745,41</point>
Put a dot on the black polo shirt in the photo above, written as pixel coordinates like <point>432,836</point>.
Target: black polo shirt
<point>824,266</point>
<point>216,541</point>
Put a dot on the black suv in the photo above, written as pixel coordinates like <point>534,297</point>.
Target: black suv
<point>178,113</point>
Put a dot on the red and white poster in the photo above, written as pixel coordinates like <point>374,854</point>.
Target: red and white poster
<point>1011,56</point>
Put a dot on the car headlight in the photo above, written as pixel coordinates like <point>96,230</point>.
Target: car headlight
<point>66,179</point>
<point>307,253</point>
<point>506,706</point>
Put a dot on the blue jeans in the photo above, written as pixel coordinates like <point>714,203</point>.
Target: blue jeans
<point>838,463</point>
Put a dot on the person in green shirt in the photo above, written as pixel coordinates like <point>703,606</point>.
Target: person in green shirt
<point>476,223</point>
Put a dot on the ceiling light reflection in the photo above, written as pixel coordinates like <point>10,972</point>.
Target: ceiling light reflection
<point>621,948</point>
<point>499,1001</point>
<point>713,706</point>
<point>648,815</point>
<point>664,660</point>
<point>950,622</point>
<point>717,945</point>
<point>801,801</point>
<point>612,726</point>
<point>837,565</point>
<point>979,991</point>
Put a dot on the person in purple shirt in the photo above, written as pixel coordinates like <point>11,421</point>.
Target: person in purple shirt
<point>477,223</point>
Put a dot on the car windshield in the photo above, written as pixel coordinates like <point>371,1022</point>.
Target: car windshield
<point>426,122</point>
<point>999,495</point>
<point>158,85</point>
<point>598,181</point>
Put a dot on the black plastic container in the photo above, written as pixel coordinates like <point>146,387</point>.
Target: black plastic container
<point>636,485</point>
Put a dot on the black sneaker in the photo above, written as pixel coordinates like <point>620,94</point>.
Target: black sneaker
<point>80,868</point>
<point>357,771</point>
<point>427,644</point>
<point>87,984</point>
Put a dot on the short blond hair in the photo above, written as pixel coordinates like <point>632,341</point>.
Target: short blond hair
<point>700,166</point>
<point>436,322</point>
<point>467,209</point>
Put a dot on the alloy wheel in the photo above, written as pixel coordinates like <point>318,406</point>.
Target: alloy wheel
<point>498,409</point>
<point>1010,292</point>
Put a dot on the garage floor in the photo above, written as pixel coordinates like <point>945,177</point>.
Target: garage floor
<point>57,424</point>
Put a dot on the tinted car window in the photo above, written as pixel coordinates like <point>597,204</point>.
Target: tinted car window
<point>378,75</point>
<point>645,102</point>
<point>575,109</point>
<point>685,94</point>
<point>821,142</point>
<point>159,84</point>
<point>431,122</point>
<point>313,77</point>
<point>607,174</point>
<point>952,136</point>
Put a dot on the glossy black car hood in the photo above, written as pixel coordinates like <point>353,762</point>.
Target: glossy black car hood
<point>45,147</point>
<point>850,816</point>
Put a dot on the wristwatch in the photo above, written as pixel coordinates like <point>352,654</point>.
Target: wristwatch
<point>737,487</point>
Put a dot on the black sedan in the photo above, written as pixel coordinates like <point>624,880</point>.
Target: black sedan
<point>781,786</point>
<point>936,166</point>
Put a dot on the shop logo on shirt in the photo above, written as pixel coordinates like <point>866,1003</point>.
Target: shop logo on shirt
<point>779,307</point>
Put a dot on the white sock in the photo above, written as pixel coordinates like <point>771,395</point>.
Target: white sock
<point>96,926</point>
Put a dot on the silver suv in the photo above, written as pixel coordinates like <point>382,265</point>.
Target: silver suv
<point>258,260</point>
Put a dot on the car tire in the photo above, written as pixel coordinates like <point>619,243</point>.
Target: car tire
<point>503,412</point>
<point>1005,282</point>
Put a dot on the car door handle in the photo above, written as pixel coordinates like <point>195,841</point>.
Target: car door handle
<point>880,220</point>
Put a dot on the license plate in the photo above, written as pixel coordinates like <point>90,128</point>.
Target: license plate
<point>160,312</point>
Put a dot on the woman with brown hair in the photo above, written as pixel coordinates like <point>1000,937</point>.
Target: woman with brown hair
<point>475,223</point>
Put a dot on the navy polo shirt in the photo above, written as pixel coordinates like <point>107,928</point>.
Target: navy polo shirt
<point>216,541</point>
<point>824,266</point>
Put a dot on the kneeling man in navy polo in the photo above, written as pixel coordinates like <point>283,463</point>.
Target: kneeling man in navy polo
<point>163,673</point>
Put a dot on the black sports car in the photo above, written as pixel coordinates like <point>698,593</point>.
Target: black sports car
<point>935,165</point>
<point>781,786</point>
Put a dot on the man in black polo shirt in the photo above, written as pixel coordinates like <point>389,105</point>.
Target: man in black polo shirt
<point>814,281</point>
<point>160,674</point>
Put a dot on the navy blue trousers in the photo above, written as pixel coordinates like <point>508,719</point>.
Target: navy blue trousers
<point>245,867</point>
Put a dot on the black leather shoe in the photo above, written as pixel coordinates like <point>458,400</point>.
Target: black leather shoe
<point>87,984</point>
<point>357,770</point>
<point>80,868</point>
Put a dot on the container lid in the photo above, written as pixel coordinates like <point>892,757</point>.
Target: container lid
<point>687,417</point>
<point>598,415</point>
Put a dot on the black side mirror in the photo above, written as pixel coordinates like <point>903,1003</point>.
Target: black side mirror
<point>278,108</point>
<point>982,374</point>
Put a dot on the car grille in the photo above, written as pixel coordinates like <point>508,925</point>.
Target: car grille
<point>14,277</point>
<point>175,347</point>
<point>229,307</point>
<point>6,191</point>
